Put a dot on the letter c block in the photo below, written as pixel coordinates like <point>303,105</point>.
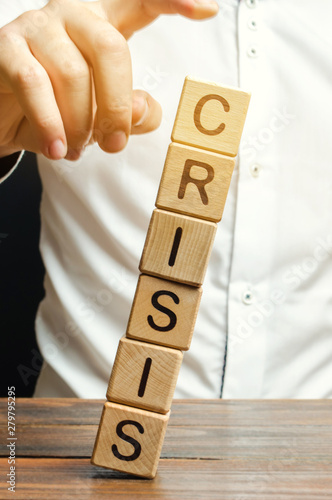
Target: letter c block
<point>164,312</point>
<point>195,182</point>
<point>129,440</point>
<point>210,117</point>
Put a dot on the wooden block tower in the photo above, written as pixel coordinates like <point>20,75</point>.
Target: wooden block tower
<point>191,199</point>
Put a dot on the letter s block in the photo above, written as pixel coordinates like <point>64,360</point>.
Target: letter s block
<point>164,312</point>
<point>195,182</point>
<point>210,117</point>
<point>129,440</point>
<point>144,375</point>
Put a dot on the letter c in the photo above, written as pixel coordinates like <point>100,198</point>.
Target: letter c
<point>198,111</point>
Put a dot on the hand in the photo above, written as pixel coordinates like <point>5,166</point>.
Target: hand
<point>65,75</point>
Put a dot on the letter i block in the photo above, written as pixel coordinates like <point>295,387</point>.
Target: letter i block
<point>164,313</point>
<point>129,440</point>
<point>177,247</point>
<point>210,117</point>
<point>195,182</point>
<point>144,375</point>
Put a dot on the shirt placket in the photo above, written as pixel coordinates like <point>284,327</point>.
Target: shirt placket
<point>252,259</point>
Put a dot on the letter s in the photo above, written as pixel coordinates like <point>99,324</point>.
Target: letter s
<point>128,439</point>
<point>159,307</point>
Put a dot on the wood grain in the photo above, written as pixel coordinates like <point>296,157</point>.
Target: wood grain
<point>55,479</point>
<point>33,412</point>
<point>192,441</point>
<point>129,440</point>
<point>164,312</point>
<point>195,182</point>
<point>128,370</point>
<point>249,450</point>
<point>67,428</point>
<point>210,116</point>
<point>193,252</point>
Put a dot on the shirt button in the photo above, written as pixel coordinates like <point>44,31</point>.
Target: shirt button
<point>252,52</point>
<point>255,169</point>
<point>252,4</point>
<point>247,297</point>
<point>252,24</point>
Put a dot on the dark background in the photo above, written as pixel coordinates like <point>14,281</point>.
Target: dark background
<point>21,278</point>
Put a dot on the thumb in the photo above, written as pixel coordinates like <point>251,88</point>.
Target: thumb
<point>194,9</point>
<point>146,113</point>
<point>130,15</point>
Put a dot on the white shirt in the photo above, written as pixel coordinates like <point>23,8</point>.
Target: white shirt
<point>267,293</point>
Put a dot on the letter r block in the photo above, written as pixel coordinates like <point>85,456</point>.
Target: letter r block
<point>144,375</point>
<point>195,182</point>
<point>129,440</point>
<point>177,247</point>
<point>210,117</point>
<point>164,312</point>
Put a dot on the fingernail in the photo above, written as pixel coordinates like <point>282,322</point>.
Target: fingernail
<point>116,141</point>
<point>73,154</point>
<point>143,105</point>
<point>57,150</point>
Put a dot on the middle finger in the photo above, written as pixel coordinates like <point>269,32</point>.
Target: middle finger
<point>71,80</point>
<point>108,54</point>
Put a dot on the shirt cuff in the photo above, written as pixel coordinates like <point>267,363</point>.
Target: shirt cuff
<point>8,164</point>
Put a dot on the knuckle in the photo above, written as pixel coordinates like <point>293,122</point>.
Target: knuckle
<point>7,36</point>
<point>32,18</point>
<point>73,72</point>
<point>10,39</point>
<point>47,123</point>
<point>118,109</point>
<point>119,117</point>
<point>29,15</point>
<point>29,76</point>
<point>108,40</point>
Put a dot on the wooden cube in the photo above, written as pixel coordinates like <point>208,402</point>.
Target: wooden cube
<point>195,182</point>
<point>144,375</point>
<point>164,312</point>
<point>129,440</point>
<point>177,247</point>
<point>210,117</point>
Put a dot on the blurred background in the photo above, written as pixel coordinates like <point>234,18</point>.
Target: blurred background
<point>21,277</point>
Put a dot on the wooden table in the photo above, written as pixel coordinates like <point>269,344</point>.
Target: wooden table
<point>213,449</point>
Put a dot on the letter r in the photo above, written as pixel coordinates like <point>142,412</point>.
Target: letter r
<point>200,184</point>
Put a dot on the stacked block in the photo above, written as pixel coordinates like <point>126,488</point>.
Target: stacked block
<point>190,201</point>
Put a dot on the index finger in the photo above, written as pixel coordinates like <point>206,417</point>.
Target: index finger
<point>42,128</point>
<point>107,53</point>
